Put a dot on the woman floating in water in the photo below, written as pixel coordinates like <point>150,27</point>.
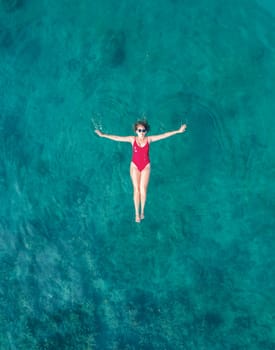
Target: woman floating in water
<point>140,164</point>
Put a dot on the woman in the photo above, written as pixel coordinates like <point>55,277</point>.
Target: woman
<point>140,164</point>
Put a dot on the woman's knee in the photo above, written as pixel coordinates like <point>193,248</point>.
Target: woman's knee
<point>143,190</point>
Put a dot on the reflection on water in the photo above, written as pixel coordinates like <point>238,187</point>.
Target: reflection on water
<point>77,272</point>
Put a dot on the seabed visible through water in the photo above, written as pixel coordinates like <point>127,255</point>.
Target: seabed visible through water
<point>76,271</point>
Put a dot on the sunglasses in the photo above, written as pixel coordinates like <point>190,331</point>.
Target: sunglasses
<point>141,130</point>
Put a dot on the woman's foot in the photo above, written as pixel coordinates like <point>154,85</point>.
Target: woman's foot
<point>142,216</point>
<point>137,218</point>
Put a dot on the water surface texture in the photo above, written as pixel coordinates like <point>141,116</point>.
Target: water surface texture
<point>76,271</point>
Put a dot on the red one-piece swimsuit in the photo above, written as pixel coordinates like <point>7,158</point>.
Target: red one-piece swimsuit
<point>140,155</point>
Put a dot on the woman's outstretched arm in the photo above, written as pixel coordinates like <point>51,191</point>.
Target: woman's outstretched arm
<point>114,137</point>
<point>168,134</point>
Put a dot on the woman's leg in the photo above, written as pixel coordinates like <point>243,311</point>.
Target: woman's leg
<point>144,180</point>
<point>135,176</point>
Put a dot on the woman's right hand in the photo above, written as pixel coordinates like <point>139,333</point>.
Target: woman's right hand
<point>98,132</point>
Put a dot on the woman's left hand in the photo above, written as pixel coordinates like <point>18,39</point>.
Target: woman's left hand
<point>182,128</point>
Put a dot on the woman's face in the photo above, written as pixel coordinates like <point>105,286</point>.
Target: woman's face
<point>141,130</point>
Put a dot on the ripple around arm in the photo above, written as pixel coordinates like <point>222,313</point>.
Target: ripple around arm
<point>202,116</point>
<point>113,103</point>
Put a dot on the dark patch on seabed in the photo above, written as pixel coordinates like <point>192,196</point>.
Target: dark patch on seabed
<point>13,5</point>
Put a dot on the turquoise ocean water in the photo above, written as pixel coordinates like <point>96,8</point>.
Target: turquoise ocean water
<point>76,271</point>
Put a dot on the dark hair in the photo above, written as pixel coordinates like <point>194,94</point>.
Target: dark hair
<point>143,123</point>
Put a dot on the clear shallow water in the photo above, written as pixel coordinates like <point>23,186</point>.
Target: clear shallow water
<point>76,271</point>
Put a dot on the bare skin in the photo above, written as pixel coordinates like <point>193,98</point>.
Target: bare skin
<point>140,179</point>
